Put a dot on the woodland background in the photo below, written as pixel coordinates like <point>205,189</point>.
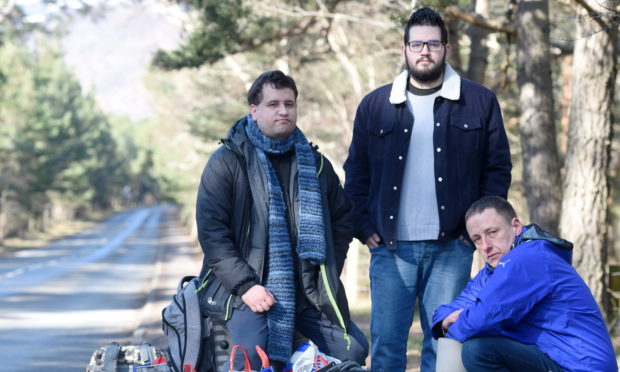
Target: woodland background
<point>552,64</point>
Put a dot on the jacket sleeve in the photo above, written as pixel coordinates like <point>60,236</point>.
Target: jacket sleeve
<point>214,215</point>
<point>341,215</point>
<point>515,287</point>
<point>495,178</point>
<point>357,170</point>
<point>464,300</point>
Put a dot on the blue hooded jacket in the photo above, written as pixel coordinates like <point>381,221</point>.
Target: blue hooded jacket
<point>536,297</point>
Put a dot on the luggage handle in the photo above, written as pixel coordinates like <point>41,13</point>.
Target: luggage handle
<point>319,359</point>
<point>264,359</point>
<point>110,356</point>
<point>185,279</point>
<point>147,354</point>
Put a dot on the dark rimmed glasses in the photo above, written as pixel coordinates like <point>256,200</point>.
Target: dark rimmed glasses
<point>416,46</point>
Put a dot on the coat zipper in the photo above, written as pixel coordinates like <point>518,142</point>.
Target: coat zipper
<point>204,281</point>
<point>332,300</point>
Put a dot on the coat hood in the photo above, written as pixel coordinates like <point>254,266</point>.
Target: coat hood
<point>534,232</point>
<point>236,136</point>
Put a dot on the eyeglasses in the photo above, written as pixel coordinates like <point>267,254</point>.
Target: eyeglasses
<point>416,46</point>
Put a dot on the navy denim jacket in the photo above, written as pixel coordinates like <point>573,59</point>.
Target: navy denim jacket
<point>472,156</point>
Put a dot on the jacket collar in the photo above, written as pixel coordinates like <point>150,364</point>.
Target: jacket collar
<point>451,88</point>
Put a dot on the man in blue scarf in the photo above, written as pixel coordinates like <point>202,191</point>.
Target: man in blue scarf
<point>274,225</point>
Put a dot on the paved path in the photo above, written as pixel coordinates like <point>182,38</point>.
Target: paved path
<point>61,302</point>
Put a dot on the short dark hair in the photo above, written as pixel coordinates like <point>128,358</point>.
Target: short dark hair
<point>501,206</point>
<point>426,17</point>
<point>277,79</point>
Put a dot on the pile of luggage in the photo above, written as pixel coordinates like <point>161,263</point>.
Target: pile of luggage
<point>197,344</point>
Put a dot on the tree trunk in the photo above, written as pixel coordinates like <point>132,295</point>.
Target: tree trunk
<point>339,42</point>
<point>479,52</point>
<point>586,194</point>
<point>455,60</point>
<point>567,75</point>
<point>541,169</point>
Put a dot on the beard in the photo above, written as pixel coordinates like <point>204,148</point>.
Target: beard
<point>426,75</point>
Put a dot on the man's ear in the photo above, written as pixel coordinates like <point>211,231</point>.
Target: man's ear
<point>517,226</point>
<point>253,112</point>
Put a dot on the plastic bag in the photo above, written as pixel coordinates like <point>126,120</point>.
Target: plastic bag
<point>308,358</point>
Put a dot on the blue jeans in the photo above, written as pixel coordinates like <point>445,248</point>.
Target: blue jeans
<point>248,328</point>
<point>433,272</point>
<point>483,354</point>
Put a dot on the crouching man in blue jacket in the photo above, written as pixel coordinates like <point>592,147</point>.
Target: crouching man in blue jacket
<point>527,309</point>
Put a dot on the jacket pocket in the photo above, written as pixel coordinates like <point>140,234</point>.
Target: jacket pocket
<point>382,129</point>
<point>380,141</point>
<point>334,312</point>
<point>466,124</point>
<point>215,301</point>
<point>466,153</point>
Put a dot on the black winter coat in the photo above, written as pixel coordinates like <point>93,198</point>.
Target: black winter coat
<point>232,221</point>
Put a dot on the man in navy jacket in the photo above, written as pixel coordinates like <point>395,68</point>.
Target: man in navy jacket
<point>527,309</point>
<point>424,148</point>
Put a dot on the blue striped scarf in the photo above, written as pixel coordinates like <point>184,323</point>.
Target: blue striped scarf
<point>310,238</point>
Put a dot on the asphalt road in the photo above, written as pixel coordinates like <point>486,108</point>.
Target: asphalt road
<point>60,303</point>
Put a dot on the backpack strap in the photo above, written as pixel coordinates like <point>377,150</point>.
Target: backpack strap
<point>183,282</point>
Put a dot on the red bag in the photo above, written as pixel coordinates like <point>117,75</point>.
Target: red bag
<point>246,361</point>
<point>264,360</point>
<point>320,362</point>
<point>263,357</point>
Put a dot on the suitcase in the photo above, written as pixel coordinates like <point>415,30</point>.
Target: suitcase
<point>131,358</point>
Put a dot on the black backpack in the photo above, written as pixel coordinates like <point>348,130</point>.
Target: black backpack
<point>348,365</point>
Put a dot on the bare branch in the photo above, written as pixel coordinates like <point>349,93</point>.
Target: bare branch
<point>297,30</point>
<point>568,3</point>
<point>300,12</point>
<point>344,60</point>
<point>480,21</point>
<point>594,14</point>
<point>607,18</point>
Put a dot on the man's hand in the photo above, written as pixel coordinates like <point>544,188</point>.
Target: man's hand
<point>450,319</point>
<point>373,241</point>
<point>258,299</point>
